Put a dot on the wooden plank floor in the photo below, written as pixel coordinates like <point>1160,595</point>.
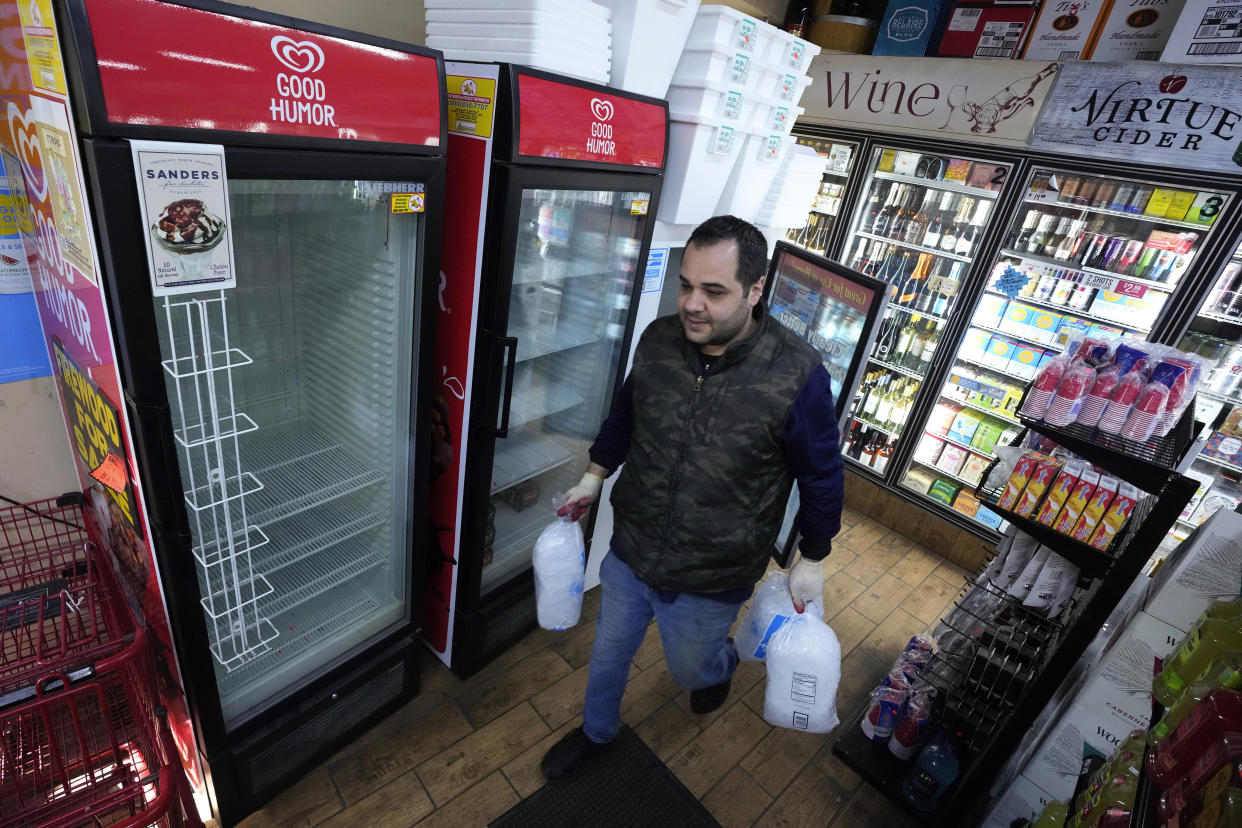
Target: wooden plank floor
<point>463,752</point>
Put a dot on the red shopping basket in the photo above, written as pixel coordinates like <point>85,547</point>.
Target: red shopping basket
<point>59,607</point>
<point>93,752</point>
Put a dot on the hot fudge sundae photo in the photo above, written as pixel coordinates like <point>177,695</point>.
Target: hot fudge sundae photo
<point>186,226</point>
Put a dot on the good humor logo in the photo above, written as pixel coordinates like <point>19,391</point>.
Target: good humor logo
<point>600,142</point>
<point>302,98</point>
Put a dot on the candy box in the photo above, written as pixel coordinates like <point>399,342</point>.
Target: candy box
<point>1115,517</point>
<point>1024,361</point>
<point>943,491</point>
<point>1080,495</point>
<point>1059,493</point>
<point>1016,319</point>
<point>1018,479</point>
<point>951,459</point>
<point>1097,504</point>
<point>999,351</point>
<point>973,469</point>
<point>1037,486</point>
<point>987,435</point>
<point>989,312</point>
<point>964,424</point>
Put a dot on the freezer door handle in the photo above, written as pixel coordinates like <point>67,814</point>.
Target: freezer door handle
<point>506,394</point>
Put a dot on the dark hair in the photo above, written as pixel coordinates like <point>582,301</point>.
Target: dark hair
<point>752,247</point>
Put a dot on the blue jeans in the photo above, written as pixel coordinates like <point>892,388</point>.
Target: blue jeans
<point>693,630</point>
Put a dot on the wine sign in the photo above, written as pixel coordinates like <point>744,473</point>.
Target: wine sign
<point>1174,116</point>
<point>994,101</point>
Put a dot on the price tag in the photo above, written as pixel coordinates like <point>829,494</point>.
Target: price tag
<point>1132,289</point>
<point>1012,281</point>
<point>111,473</point>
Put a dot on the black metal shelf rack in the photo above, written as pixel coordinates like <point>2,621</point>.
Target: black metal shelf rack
<point>987,741</point>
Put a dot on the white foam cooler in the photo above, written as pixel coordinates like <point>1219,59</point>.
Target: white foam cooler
<point>647,38</point>
<point>729,30</point>
<point>701,155</point>
<point>571,9</point>
<point>751,179</point>
<point>530,53</point>
<point>768,116</point>
<point>713,100</point>
<point>787,53</point>
<point>703,63</point>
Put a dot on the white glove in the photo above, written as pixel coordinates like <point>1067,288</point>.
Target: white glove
<point>806,582</point>
<point>578,500</point>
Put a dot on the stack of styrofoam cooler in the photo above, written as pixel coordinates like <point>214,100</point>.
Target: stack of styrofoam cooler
<point>647,38</point>
<point>733,101</point>
<point>793,190</point>
<point>569,37</point>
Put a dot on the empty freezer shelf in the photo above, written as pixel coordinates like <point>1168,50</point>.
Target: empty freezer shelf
<point>316,576</point>
<point>536,396</point>
<point>298,538</point>
<point>301,468</point>
<point>541,340</point>
<point>304,627</point>
<point>515,533</point>
<point>523,456</point>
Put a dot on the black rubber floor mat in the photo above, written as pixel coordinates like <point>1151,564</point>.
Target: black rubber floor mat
<point>627,786</point>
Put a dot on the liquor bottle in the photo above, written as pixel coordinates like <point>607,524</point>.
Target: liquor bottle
<point>1104,193</point>
<point>929,351</point>
<point>885,407</point>
<point>851,437</point>
<point>880,225</point>
<point>966,241</point>
<point>918,341</point>
<point>798,18</point>
<point>949,285</point>
<point>856,448</point>
<point>1064,289</point>
<point>859,262</point>
<point>948,236</point>
<point>873,398</point>
<point>931,287</point>
<point>1042,232</point>
<point>886,339</point>
<point>882,455</point>
<point>905,211</point>
<point>1054,238</point>
<point>869,450</point>
<point>916,227</point>
<point>1067,244</point>
<point>1086,191</point>
<point>1046,285</point>
<point>1018,236</point>
<point>1069,186</point>
<point>934,228</point>
<point>913,284</point>
<point>877,201</point>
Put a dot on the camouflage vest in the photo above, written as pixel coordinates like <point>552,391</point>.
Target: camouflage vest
<point>700,498</point>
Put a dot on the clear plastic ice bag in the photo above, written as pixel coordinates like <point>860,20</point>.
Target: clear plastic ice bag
<point>772,607</point>
<point>804,669</point>
<point>560,572</point>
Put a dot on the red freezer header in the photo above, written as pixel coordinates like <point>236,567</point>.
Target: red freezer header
<point>172,66</point>
<point>559,120</point>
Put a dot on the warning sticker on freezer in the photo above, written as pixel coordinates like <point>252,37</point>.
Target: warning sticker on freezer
<point>471,105</point>
<point>639,206</point>
<point>407,202</point>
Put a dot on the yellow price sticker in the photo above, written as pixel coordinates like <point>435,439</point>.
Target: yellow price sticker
<point>407,202</point>
<point>638,207</point>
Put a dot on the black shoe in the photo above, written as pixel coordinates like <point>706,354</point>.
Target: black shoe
<point>569,753</point>
<point>709,698</point>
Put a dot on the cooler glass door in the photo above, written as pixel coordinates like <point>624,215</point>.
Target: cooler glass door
<point>573,276</point>
<point>817,234</point>
<point>290,398</point>
<point>1084,255</point>
<point>1216,333</point>
<point>918,226</point>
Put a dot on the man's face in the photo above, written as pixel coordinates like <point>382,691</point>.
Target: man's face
<point>714,310</point>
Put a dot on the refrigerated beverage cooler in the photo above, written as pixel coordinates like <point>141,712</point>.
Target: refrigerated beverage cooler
<point>819,232</point>
<point>1084,254</point>
<point>1215,333</point>
<point>548,235</point>
<point>919,224</point>
<point>278,416</point>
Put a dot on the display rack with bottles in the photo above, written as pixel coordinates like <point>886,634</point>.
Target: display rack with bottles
<point>919,224</point>
<point>816,234</point>
<point>1084,255</point>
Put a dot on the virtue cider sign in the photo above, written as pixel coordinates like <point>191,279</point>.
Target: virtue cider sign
<point>1174,116</point>
<point>981,100</point>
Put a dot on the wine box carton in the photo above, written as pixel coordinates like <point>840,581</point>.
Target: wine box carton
<point>1063,29</point>
<point>1207,31</point>
<point>986,29</point>
<point>910,28</point>
<point>1133,30</point>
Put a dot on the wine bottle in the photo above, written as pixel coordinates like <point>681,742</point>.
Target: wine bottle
<point>948,236</point>
<point>932,237</point>
<point>916,228</point>
<point>972,232</point>
<point>882,220</point>
<point>859,261</point>
<point>1018,236</point>
<point>1042,232</point>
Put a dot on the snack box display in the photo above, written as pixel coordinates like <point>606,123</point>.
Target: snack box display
<point>973,469</point>
<point>975,344</point>
<point>1078,500</point>
<point>987,435</point>
<point>1016,319</point>
<point>1140,312</point>
<point>1133,30</point>
<point>1206,31</point>
<point>942,417</point>
<point>1115,517</point>
<point>1038,484</point>
<point>986,29</point>
<point>919,480</point>
<point>910,27</point>
<point>1059,493</point>
<point>951,459</point>
<point>1097,504</point>
<point>987,517</point>
<point>1063,30</point>
<point>1044,327</point>
<point>1024,361</point>
<point>966,503</point>
<point>928,450</point>
<point>1019,477</point>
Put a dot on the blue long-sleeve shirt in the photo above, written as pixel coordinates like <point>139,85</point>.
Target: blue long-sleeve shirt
<point>810,443</point>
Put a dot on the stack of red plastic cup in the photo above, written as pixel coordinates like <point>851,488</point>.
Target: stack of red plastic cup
<point>1045,385</point>
<point>1118,408</point>
<point>1147,410</point>
<point>1069,396</point>
<point>1101,390</point>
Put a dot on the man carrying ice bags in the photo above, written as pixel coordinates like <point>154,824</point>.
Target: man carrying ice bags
<point>723,410</point>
